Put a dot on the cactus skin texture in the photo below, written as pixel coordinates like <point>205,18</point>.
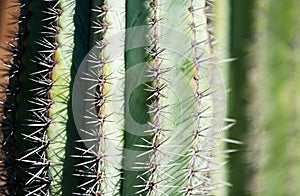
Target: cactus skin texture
<point>67,137</point>
<point>34,99</point>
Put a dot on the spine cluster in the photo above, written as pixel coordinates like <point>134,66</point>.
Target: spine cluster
<point>153,176</point>
<point>199,182</point>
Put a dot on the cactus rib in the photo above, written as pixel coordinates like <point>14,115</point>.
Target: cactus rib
<point>38,62</point>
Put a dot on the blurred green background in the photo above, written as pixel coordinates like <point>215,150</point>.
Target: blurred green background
<point>263,37</point>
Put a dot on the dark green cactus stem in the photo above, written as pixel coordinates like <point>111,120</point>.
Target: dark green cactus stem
<point>241,20</point>
<point>82,45</point>
<point>34,102</point>
<point>137,13</point>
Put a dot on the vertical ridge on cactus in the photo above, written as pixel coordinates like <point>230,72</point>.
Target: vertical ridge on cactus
<point>153,177</point>
<point>60,93</point>
<point>97,170</point>
<point>101,176</point>
<point>193,186</point>
<point>34,99</point>
<point>97,123</point>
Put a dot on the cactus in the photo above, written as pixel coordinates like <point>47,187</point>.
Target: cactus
<point>98,110</point>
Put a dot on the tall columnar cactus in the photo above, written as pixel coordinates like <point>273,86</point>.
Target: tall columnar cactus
<point>113,98</point>
<point>278,68</point>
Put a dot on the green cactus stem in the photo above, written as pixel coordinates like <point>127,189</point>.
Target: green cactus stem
<point>34,100</point>
<point>241,25</point>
